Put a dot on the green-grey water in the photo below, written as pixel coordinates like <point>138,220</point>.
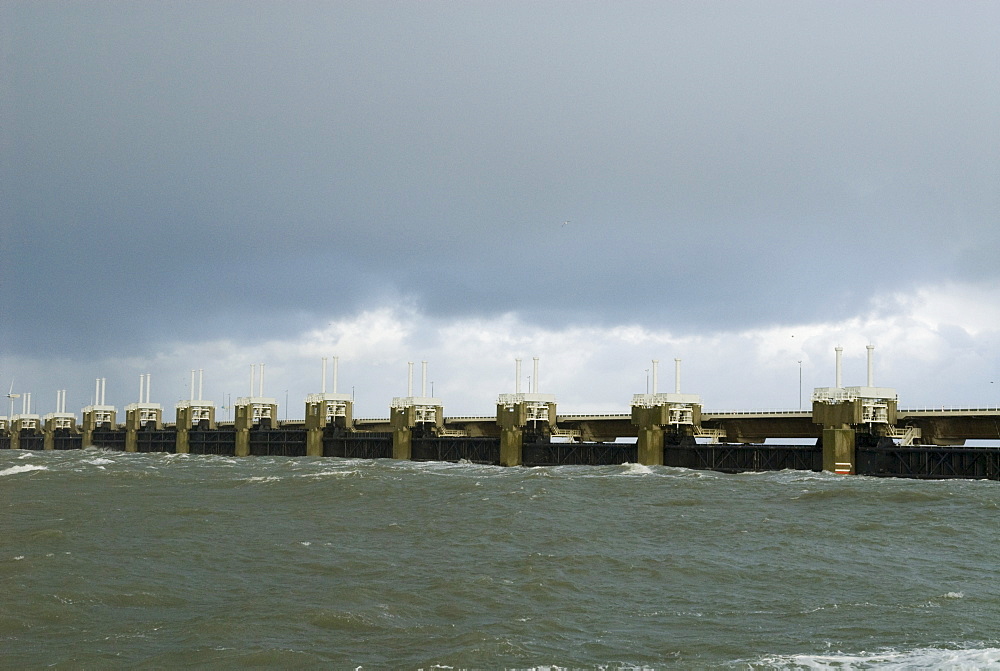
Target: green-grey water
<point>113,560</point>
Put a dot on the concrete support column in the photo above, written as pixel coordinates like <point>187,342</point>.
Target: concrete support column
<point>182,444</point>
<point>402,420</point>
<point>512,419</point>
<point>650,446</point>
<point>15,439</point>
<point>650,422</point>
<point>314,442</point>
<point>131,440</point>
<point>49,439</point>
<point>402,443</point>
<point>838,451</point>
<point>242,448</point>
<point>511,446</point>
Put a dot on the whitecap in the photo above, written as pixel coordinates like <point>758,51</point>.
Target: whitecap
<point>918,658</point>
<point>22,469</point>
<point>635,469</point>
<point>99,461</point>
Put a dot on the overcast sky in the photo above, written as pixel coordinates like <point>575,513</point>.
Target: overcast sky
<point>744,185</point>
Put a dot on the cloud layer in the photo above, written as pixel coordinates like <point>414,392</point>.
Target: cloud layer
<point>925,349</point>
<point>465,182</point>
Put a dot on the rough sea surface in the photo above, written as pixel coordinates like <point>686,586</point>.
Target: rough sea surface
<point>114,560</point>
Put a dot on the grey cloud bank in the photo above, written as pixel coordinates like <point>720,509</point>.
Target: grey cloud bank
<point>178,172</point>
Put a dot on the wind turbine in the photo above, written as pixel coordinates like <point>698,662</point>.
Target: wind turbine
<point>11,395</point>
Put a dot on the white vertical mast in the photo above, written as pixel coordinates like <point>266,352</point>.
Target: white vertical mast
<point>871,366</point>
<point>840,352</point>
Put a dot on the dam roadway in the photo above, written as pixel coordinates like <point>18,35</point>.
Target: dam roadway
<point>935,426</point>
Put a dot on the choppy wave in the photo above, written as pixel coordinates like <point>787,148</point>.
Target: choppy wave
<point>907,660</point>
<point>14,470</point>
<point>115,559</point>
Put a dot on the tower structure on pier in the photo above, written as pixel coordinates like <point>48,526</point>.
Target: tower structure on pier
<point>664,417</point>
<point>845,412</point>
<point>532,412</point>
<point>413,413</point>
<point>143,415</point>
<point>58,423</point>
<point>327,409</point>
<point>99,416</point>
<point>254,412</point>
<point>24,423</point>
<point>194,413</point>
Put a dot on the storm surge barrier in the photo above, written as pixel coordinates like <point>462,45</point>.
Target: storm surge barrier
<point>848,430</point>
<point>882,459</point>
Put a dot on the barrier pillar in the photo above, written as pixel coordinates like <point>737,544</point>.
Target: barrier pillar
<point>402,420</point>
<point>182,444</point>
<point>839,451</point>
<point>243,422</point>
<point>650,421</point>
<point>512,420</point>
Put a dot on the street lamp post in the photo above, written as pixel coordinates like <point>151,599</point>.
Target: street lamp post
<point>800,385</point>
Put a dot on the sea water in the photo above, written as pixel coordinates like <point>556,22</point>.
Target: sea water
<point>115,560</point>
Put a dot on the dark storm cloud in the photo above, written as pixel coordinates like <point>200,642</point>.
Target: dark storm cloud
<point>176,169</point>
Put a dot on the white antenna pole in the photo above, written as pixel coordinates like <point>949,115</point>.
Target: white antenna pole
<point>871,367</point>
<point>323,387</point>
<point>423,379</point>
<point>517,376</point>
<point>104,388</point>
<point>677,376</point>
<point>149,383</point>
<point>336,370</point>
<point>261,380</point>
<point>191,388</point>
<point>840,351</point>
<point>253,369</point>
<point>534,377</point>
<point>656,366</point>
<point>97,391</point>
<point>201,381</point>
<point>409,378</point>
<point>58,400</point>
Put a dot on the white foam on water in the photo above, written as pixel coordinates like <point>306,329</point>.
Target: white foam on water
<point>635,469</point>
<point>13,470</point>
<point>263,478</point>
<point>99,461</point>
<point>328,474</point>
<point>919,658</point>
